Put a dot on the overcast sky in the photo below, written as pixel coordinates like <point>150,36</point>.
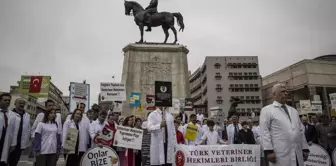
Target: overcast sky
<point>73,40</point>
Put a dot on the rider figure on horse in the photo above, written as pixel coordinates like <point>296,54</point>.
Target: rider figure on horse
<point>150,10</point>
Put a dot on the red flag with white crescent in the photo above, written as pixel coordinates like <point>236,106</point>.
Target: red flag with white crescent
<point>35,84</point>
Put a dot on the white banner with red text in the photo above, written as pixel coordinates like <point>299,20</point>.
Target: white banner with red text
<point>217,155</point>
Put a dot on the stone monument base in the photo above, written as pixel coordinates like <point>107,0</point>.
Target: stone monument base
<point>149,62</point>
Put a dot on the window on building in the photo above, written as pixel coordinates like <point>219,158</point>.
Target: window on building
<point>217,65</point>
<point>241,85</point>
<point>219,100</point>
<point>255,85</point>
<point>230,74</point>
<point>218,76</point>
<point>240,74</point>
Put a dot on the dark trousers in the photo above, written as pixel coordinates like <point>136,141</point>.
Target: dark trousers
<point>138,159</point>
<point>3,164</point>
<point>46,160</point>
<point>74,159</point>
<point>14,157</point>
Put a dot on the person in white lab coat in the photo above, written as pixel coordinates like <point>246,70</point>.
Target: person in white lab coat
<point>49,105</point>
<point>163,137</point>
<point>80,106</point>
<point>9,126</point>
<point>23,135</point>
<point>233,130</point>
<point>281,131</point>
<point>199,130</point>
<point>211,136</point>
<point>200,116</point>
<point>76,122</point>
<point>97,126</point>
<point>47,140</point>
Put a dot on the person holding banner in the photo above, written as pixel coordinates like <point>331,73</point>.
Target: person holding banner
<point>192,131</point>
<point>96,127</point>
<point>281,131</point>
<point>211,137</point>
<point>81,128</point>
<point>162,141</point>
<point>126,156</point>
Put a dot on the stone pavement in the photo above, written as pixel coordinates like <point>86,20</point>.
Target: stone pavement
<point>25,161</point>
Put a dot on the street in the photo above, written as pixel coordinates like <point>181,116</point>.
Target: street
<point>25,161</point>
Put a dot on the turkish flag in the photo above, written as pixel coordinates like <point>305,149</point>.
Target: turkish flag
<point>35,84</point>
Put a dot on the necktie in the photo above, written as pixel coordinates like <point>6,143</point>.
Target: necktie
<point>286,110</point>
<point>6,118</point>
<point>77,142</point>
<point>235,133</point>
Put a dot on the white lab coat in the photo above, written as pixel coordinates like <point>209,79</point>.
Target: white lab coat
<point>230,129</point>
<point>85,118</point>
<point>83,133</point>
<point>200,117</point>
<point>94,128</point>
<point>39,118</point>
<point>218,129</point>
<point>282,135</point>
<point>256,133</point>
<point>156,148</point>
<point>198,136</point>
<point>11,132</point>
<point>25,130</point>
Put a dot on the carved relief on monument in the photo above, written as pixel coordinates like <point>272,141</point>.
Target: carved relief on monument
<point>151,68</point>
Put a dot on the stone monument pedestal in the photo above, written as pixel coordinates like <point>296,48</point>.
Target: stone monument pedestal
<point>146,63</point>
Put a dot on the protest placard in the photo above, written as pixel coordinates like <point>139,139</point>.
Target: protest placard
<point>128,137</point>
<point>163,94</point>
<point>71,140</point>
<point>317,156</point>
<point>135,99</point>
<point>105,156</point>
<point>191,132</point>
<point>213,155</point>
<point>110,91</point>
<point>150,102</point>
<point>105,136</point>
<point>145,149</point>
<point>79,93</point>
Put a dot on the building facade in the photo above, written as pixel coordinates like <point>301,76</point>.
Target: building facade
<point>35,105</point>
<point>220,78</point>
<point>305,80</point>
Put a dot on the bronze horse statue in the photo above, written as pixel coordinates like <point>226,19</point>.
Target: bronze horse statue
<point>163,19</point>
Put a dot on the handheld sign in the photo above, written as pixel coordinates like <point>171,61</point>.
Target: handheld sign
<point>191,132</point>
<point>105,156</point>
<point>317,156</point>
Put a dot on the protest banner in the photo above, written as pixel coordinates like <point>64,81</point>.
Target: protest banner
<point>317,156</point>
<point>163,94</point>
<point>214,155</point>
<point>188,104</point>
<point>110,91</point>
<point>334,156</point>
<point>150,102</point>
<point>128,137</point>
<point>191,132</point>
<point>79,93</point>
<point>145,149</point>
<point>105,136</point>
<point>71,140</point>
<point>104,156</point>
<point>176,107</point>
<point>135,98</point>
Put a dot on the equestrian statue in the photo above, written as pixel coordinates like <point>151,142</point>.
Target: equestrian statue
<point>150,17</point>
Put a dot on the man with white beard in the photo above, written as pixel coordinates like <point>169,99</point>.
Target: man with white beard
<point>281,132</point>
